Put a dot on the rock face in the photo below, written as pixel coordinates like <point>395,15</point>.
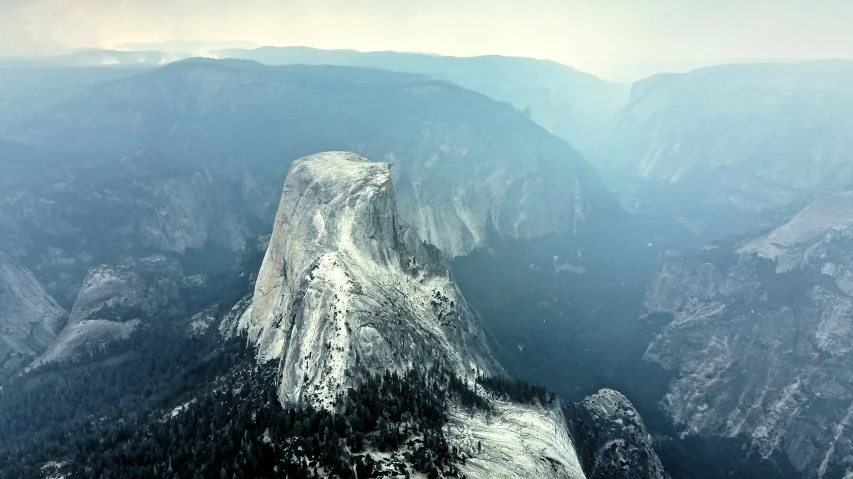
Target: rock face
<point>344,287</point>
<point>112,302</point>
<point>62,215</point>
<point>142,200</point>
<point>516,441</point>
<point>740,137</point>
<point>343,284</point>
<point>458,198</point>
<point>465,167</point>
<point>761,337</point>
<point>29,317</point>
<point>612,438</point>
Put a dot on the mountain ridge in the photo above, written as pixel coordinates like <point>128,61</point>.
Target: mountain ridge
<point>465,166</point>
<point>568,102</point>
<point>29,317</point>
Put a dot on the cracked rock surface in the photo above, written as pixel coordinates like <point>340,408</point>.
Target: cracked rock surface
<point>760,337</point>
<point>345,288</point>
<point>29,316</point>
<point>612,439</point>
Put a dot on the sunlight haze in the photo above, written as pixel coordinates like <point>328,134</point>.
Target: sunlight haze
<point>612,38</point>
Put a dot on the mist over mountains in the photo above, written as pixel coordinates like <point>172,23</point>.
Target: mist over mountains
<point>736,139</point>
<point>493,254</point>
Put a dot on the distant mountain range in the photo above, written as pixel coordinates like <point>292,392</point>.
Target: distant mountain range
<point>734,140</point>
<point>573,105</point>
<point>465,166</point>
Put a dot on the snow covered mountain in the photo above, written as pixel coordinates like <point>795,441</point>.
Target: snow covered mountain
<point>760,338</point>
<point>345,291</point>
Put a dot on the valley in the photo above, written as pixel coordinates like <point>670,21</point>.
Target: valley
<point>327,263</point>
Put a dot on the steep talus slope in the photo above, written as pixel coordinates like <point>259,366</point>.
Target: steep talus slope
<point>618,445</point>
<point>29,317</point>
<point>761,336</point>
<point>465,167</point>
<point>740,138</point>
<point>345,290</point>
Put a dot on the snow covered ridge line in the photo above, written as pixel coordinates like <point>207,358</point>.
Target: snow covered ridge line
<point>344,288</point>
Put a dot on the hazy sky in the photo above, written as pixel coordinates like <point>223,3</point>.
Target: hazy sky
<point>600,36</point>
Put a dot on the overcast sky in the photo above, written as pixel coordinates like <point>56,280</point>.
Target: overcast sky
<point>600,36</point>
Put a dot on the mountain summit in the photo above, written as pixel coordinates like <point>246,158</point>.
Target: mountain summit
<point>346,293</point>
<point>344,285</point>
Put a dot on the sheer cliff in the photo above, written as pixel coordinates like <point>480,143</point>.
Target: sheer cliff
<point>345,291</point>
<point>719,144</point>
<point>466,168</point>
<point>760,337</point>
<point>613,439</point>
<point>29,317</point>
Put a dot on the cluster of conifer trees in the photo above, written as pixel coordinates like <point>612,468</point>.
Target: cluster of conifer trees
<point>238,429</point>
<point>511,390</point>
<point>113,413</point>
<point>51,413</point>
